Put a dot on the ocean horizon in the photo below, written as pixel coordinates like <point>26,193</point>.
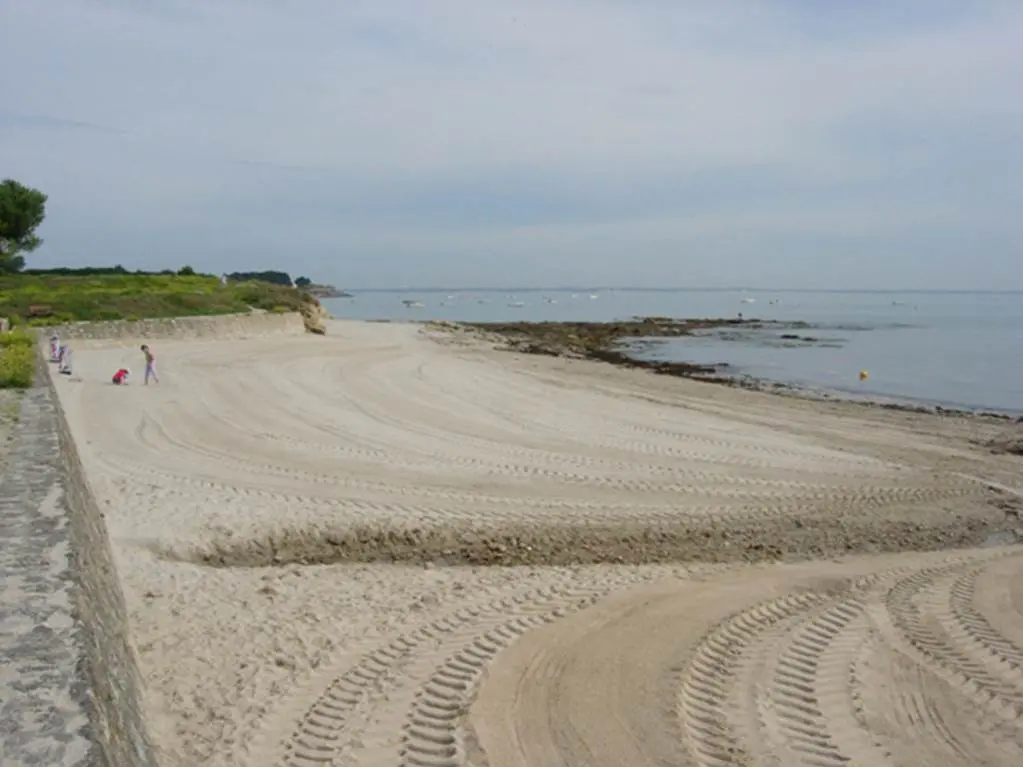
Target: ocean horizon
<point>950,348</point>
<point>736,289</point>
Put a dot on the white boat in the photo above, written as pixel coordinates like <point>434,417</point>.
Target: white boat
<point>516,304</point>
<point>411,303</point>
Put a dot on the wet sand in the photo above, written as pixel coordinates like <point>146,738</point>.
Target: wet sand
<point>394,546</point>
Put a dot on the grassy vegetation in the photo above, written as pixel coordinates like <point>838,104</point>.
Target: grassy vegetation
<point>17,360</point>
<point>50,299</point>
<point>32,300</point>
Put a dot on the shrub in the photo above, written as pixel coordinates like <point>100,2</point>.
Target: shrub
<point>16,338</point>
<point>17,366</point>
<point>115,296</point>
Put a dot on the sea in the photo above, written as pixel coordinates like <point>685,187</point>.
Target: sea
<point>951,349</point>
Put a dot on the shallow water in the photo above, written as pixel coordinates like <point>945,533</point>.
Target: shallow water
<point>952,349</point>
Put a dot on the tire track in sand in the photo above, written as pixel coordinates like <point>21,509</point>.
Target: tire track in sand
<point>405,698</point>
<point>787,680</point>
<point>931,616</point>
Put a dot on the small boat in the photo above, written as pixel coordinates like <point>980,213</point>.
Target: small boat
<point>516,304</point>
<point>411,303</point>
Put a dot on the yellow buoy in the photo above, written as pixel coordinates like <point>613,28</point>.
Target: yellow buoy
<point>863,375</point>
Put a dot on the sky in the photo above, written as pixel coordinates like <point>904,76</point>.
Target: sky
<point>455,143</point>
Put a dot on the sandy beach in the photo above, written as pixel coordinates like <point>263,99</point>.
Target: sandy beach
<point>397,546</point>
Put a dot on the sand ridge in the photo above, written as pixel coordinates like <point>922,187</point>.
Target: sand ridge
<point>284,513</point>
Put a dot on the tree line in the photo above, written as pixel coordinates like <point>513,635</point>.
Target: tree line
<point>275,277</point>
<point>22,210</point>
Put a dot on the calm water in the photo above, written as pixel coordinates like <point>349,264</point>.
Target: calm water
<point>958,350</point>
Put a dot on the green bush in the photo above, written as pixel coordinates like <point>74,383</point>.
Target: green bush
<point>51,299</point>
<point>17,366</point>
<point>16,338</point>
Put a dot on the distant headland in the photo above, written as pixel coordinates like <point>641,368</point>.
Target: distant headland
<point>324,291</point>
<point>318,290</point>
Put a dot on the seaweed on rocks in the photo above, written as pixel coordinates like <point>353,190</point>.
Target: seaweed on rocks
<point>1010,443</point>
<point>602,340</point>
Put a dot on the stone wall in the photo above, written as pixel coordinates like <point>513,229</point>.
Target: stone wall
<point>72,694</point>
<point>224,327</point>
<point>112,672</point>
<point>44,699</point>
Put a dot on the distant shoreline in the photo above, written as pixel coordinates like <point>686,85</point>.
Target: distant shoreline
<point>903,404</point>
<point>606,289</point>
<point>601,341</point>
<point>326,291</point>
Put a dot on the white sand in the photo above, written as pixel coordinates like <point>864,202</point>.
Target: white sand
<point>277,442</point>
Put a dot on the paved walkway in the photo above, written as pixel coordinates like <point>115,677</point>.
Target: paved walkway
<point>43,694</point>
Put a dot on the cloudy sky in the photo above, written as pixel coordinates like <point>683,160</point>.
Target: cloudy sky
<point>537,142</point>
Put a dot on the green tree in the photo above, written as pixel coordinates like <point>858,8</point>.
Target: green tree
<point>22,210</point>
<point>186,271</point>
<point>303,282</point>
<point>277,278</point>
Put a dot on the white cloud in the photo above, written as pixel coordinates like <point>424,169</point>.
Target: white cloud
<point>864,127</point>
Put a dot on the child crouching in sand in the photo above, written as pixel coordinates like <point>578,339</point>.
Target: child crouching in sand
<point>121,377</point>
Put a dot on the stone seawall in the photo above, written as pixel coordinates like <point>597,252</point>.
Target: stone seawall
<point>111,667</point>
<point>223,327</point>
<point>72,694</point>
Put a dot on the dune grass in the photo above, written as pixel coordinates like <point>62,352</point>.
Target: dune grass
<point>38,300</point>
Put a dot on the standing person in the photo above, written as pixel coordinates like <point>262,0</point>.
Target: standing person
<point>65,360</point>
<point>150,365</point>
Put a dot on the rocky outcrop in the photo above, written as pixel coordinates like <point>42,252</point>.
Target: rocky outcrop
<point>603,340</point>
<point>315,317</point>
<point>1011,442</point>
